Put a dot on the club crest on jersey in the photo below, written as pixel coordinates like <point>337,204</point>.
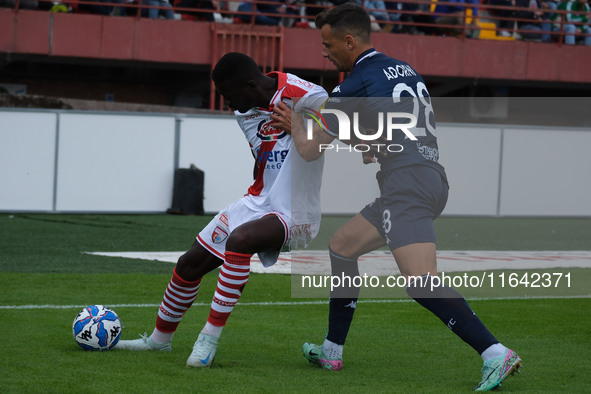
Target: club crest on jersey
<point>266,132</point>
<point>218,235</point>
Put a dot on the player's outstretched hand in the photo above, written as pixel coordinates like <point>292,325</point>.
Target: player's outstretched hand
<point>281,117</point>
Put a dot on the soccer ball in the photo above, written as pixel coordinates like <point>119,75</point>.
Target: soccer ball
<point>97,327</point>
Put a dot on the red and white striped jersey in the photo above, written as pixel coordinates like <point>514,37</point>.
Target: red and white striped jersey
<point>285,182</point>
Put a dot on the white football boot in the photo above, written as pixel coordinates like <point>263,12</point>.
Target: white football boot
<point>143,343</point>
<point>203,352</point>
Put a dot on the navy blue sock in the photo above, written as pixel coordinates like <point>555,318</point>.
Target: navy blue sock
<point>453,310</point>
<point>343,299</point>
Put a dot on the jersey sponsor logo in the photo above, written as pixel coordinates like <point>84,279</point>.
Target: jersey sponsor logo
<point>298,81</point>
<point>428,152</point>
<point>272,159</point>
<point>218,235</point>
<point>224,219</point>
<point>266,132</point>
<point>253,116</point>
<point>337,89</point>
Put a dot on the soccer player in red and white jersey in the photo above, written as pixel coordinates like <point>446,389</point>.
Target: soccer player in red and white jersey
<point>271,216</point>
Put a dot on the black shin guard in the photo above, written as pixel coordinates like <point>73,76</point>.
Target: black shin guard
<point>343,298</point>
<point>453,310</point>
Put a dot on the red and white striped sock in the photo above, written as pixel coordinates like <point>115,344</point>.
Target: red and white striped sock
<point>178,298</point>
<point>231,281</point>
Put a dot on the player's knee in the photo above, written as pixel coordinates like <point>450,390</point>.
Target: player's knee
<point>239,242</point>
<point>195,263</point>
<point>340,243</point>
<point>185,267</point>
<point>183,262</point>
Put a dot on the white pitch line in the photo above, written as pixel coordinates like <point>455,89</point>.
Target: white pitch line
<point>381,263</point>
<point>290,303</point>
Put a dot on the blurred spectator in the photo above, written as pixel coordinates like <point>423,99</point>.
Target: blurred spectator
<point>533,22</point>
<point>314,7</point>
<point>22,4</point>
<point>549,9</point>
<point>399,12</point>
<point>575,20</point>
<point>378,13</point>
<point>292,11</point>
<point>56,6</point>
<point>503,25</point>
<point>396,13</point>
<point>154,13</point>
<point>101,9</point>
<point>458,15</point>
<point>416,11</point>
<point>208,6</point>
<point>374,25</point>
<point>279,9</point>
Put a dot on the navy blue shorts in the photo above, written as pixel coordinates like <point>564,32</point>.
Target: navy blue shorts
<point>410,200</point>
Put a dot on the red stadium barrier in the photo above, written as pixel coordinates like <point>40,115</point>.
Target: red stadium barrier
<point>83,36</point>
<point>484,26</point>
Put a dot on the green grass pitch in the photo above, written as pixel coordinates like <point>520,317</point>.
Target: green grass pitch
<point>393,346</point>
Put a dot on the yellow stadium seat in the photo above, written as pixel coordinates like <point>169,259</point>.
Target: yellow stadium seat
<point>488,31</point>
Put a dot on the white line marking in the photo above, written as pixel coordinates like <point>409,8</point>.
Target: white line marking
<point>381,263</point>
<point>288,303</point>
<point>316,262</point>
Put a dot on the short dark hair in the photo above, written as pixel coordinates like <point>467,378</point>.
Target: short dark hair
<point>235,67</point>
<point>348,18</point>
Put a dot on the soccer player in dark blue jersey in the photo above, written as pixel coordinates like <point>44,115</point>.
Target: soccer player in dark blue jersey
<point>413,189</point>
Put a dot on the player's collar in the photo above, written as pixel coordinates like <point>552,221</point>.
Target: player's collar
<point>281,78</point>
<point>281,83</point>
<point>369,53</point>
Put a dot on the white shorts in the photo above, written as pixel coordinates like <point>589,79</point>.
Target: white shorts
<point>214,236</point>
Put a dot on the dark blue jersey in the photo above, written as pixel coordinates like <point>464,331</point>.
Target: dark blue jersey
<point>384,91</point>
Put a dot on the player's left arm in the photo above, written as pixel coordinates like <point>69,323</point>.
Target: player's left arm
<point>308,145</point>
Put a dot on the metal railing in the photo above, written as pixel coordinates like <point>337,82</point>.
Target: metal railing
<point>417,16</point>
